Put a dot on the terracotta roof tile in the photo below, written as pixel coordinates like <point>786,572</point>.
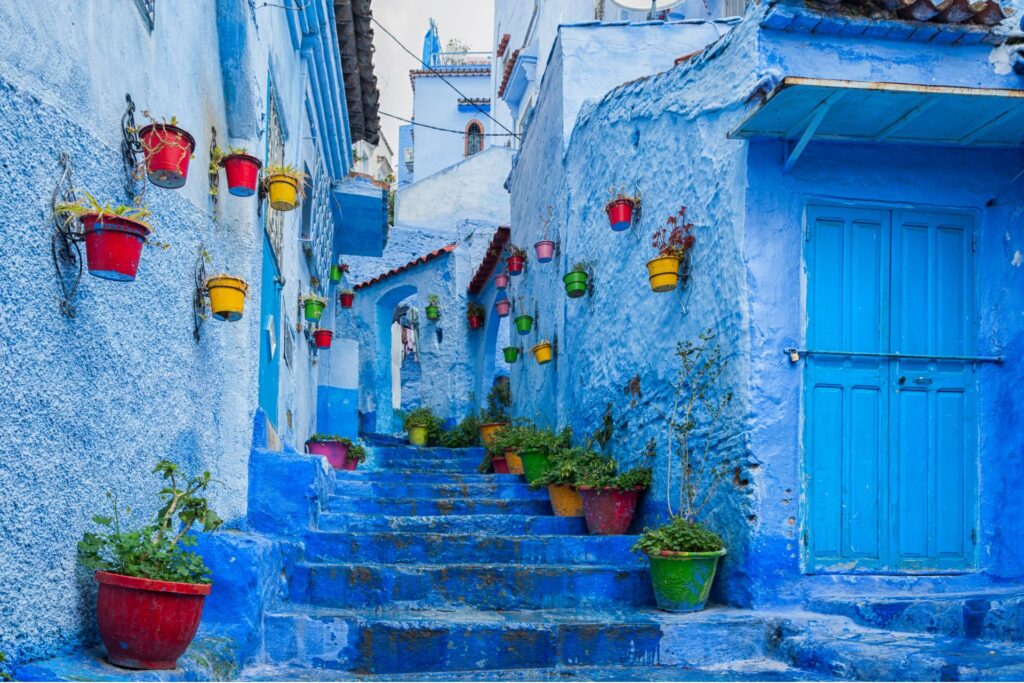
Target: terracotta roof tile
<point>491,259</point>
<point>426,258</point>
<point>503,45</point>
<point>508,72</point>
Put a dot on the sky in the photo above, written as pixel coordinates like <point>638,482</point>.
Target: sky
<point>470,21</point>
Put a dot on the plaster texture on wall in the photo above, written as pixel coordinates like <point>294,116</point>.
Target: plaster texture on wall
<point>436,104</point>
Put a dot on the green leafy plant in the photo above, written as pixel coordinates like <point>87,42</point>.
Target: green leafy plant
<point>465,435</point>
<point>421,417</point>
<point>357,453</point>
<point>5,675</point>
<point>289,171</point>
<point>433,300</point>
<point>347,291</point>
<point>513,250</point>
<point>679,535</point>
<point>580,267</point>
<point>312,297</point>
<point>330,438</point>
<point>499,401</point>
<point>89,205</point>
<point>157,550</point>
<point>475,309</point>
<point>569,465</point>
<point>609,478</point>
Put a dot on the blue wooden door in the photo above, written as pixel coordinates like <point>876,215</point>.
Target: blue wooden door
<point>270,333</point>
<point>890,424</point>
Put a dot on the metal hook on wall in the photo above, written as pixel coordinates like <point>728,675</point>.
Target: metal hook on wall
<point>133,156</point>
<point>199,296</point>
<point>64,249</point>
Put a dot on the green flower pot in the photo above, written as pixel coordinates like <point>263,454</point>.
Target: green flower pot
<point>511,354</point>
<point>524,324</point>
<point>682,581</point>
<point>575,284</point>
<point>535,463</point>
<point>335,273</point>
<point>313,310</point>
<point>433,312</point>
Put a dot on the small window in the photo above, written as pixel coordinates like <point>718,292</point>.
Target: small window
<point>474,138</point>
<point>148,10</point>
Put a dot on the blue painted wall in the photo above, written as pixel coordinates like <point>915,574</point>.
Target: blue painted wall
<point>436,104</point>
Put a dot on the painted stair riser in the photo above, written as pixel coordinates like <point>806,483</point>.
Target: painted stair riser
<point>480,586</point>
<point>391,455</point>
<point>494,491</point>
<point>408,476</point>
<point>419,466</point>
<point>426,507</point>
<point>485,525</point>
<point>468,549</point>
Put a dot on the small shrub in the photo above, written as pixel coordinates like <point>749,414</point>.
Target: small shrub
<point>679,536</point>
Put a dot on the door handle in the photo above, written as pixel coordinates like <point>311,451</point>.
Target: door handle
<point>902,381</point>
<point>922,380</point>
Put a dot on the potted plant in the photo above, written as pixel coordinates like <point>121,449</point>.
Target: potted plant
<point>114,236</point>
<point>167,149</point>
<point>503,306</point>
<point>151,588</point>
<point>576,280</point>
<point>501,281</point>
<point>419,424</point>
<point>536,448</point>
<point>524,322</point>
<point>542,352</point>
<point>673,243</point>
<point>356,455</point>
<point>475,315</point>
<point>347,297</point>
<point>333,447</point>
<point>610,498</point>
<point>545,248</point>
<point>684,553</point>
<point>227,296</point>
<point>511,354</point>
<point>285,185</point>
<point>566,466</point>
<point>337,271</point>
<point>505,443</point>
<point>499,399</point>
<point>313,307</point>
<point>242,170</point>
<point>322,338</point>
<point>433,307</point>
<point>620,210</point>
<point>516,260</point>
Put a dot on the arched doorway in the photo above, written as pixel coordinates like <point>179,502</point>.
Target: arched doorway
<point>396,381</point>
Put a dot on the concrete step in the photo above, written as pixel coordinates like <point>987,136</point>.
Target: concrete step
<point>397,642</point>
<point>505,490</point>
<point>419,466</point>
<point>405,476</point>
<point>483,586</point>
<point>493,525</point>
<point>995,614</point>
<point>399,453</point>
<point>403,548</point>
<point>438,506</point>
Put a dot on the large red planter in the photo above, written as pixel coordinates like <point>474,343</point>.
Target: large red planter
<point>147,624</point>
<point>335,452</point>
<point>168,150</point>
<point>515,265</point>
<point>503,307</point>
<point>475,322</point>
<point>346,300</point>
<point>500,465</point>
<point>243,173</point>
<point>609,512</point>
<point>323,338</point>
<point>620,214</point>
<point>113,246</point>
<point>501,281</point>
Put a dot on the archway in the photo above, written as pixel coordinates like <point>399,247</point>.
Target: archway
<point>388,362</point>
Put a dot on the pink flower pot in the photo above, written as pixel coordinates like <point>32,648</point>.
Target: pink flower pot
<point>503,307</point>
<point>336,453</point>
<point>545,251</point>
<point>501,281</point>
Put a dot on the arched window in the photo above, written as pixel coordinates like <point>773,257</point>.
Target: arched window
<point>474,138</point>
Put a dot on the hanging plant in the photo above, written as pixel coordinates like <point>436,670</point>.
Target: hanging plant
<point>167,149</point>
<point>501,281</point>
<point>524,322</point>
<point>322,338</point>
<point>576,280</point>
<point>542,352</point>
<point>337,271</point>
<point>242,170</point>
<point>346,298</point>
<point>114,236</point>
<point>545,248</point>
<point>475,315</point>
<point>620,210</point>
<point>313,306</point>
<point>433,307</point>
<point>227,297</point>
<point>286,186</point>
<point>516,260</point>
<point>511,354</point>
<point>673,243</point>
<point>503,307</point>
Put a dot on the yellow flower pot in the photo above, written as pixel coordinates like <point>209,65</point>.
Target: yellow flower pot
<point>487,431</point>
<point>566,501</point>
<point>283,191</point>
<point>418,436</point>
<point>515,463</point>
<point>227,297</point>
<point>664,273</point>
<point>542,352</point>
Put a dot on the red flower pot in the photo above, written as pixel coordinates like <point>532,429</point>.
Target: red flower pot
<point>323,338</point>
<point>620,214</point>
<point>545,251</point>
<point>113,246</point>
<point>503,307</point>
<point>609,512</point>
<point>346,300</point>
<point>515,265</point>
<point>336,453</point>
<point>168,150</point>
<point>243,172</point>
<point>475,322</point>
<point>500,465</point>
<point>501,281</point>
<point>147,624</point>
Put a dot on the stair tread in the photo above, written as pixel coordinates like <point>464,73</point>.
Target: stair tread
<point>461,536</point>
<point>483,501</point>
<point>429,566</point>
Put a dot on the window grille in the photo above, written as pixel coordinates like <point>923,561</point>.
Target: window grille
<point>474,138</point>
<point>274,224</point>
<point>148,10</point>
<point>734,8</point>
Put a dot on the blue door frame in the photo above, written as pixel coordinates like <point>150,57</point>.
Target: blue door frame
<point>890,459</point>
<point>270,333</point>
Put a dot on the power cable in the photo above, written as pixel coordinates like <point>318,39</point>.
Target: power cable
<point>443,130</point>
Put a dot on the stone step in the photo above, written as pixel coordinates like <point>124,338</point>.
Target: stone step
<point>419,466</point>
<point>493,525</point>
<point>990,614</point>
<point>484,586</point>
<point>397,642</point>
<point>505,490</point>
<point>399,453</point>
<point>403,548</point>
<point>437,506</point>
<point>407,476</point>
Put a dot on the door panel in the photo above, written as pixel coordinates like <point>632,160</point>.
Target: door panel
<point>270,334</point>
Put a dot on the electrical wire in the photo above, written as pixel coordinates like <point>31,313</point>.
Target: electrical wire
<point>440,75</point>
<point>444,130</point>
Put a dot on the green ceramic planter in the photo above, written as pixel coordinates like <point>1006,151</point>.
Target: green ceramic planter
<point>313,310</point>
<point>524,324</point>
<point>535,463</point>
<point>682,581</point>
<point>511,354</point>
<point>575,284</point>
<point>335,273</point>
<point>433,312</point>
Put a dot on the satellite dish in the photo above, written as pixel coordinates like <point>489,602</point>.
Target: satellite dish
<point>647,5</point>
